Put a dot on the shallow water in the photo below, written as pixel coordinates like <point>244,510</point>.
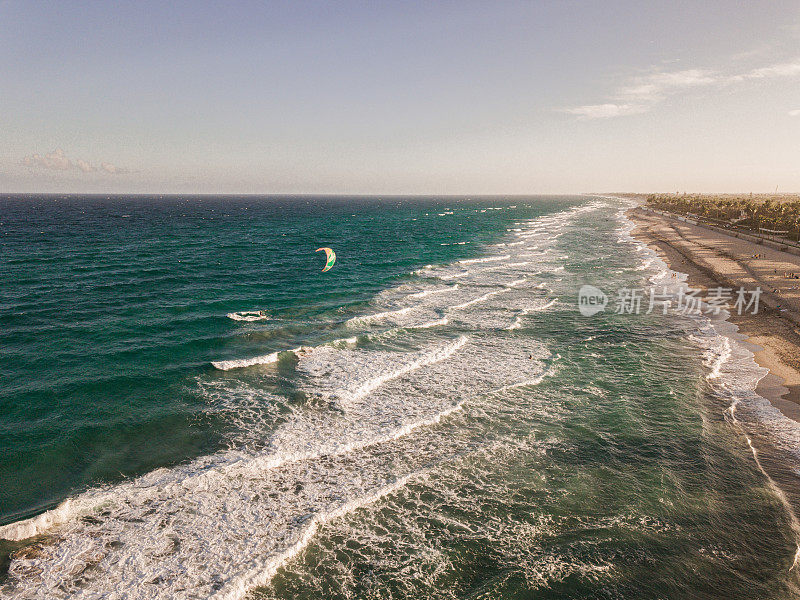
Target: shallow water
<point>431,418</point>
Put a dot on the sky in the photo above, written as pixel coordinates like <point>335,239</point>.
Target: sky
<point>399,97</point>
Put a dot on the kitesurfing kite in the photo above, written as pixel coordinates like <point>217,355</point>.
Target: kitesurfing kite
<point>330,258</point>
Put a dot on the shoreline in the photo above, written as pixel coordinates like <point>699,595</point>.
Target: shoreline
<point>712,259</point>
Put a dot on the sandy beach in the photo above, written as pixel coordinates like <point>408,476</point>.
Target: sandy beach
<point>712,259</point>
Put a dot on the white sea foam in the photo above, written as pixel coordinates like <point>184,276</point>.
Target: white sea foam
<point>389,314</point>
<point>248,316</point>
<point>429,324</point>
<point>545,306</point>
<point>526,382</point>
<point>265,359</point>
<point>517,321</point>
<point>455,275</point>
<point>342,388</point>
<point>480,298</point>
<point>273,357</point>
<point>426,293</point>
<point>526,311</point>
<point>259,574</point>
<point>471,261</point>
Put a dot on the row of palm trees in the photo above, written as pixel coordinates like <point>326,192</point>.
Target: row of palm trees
<point>752,212</point>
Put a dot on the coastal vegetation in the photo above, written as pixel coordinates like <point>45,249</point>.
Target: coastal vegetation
<point>754,212</point>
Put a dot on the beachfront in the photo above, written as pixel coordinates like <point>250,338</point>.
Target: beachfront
<point>711,259</point>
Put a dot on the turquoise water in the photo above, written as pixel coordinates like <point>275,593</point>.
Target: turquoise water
<point>447,424</point>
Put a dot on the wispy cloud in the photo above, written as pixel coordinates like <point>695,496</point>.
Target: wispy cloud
<point>639,94</point>
<point>57,160</point>
<point>605,111</point>
<point>790,69</point>
<point>656,86</point>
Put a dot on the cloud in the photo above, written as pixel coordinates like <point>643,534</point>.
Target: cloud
<point>656,86</point>
<point>114,170</point>
<point>58,161</point>
<point>790,69</point>
<point>85,166</point>
<point>55,160</point>
<point>794,113</point>
<point>643,92</point>
<point>605,111</point>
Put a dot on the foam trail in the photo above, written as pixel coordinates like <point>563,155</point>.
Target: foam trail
<point>430,324</point>
<point>526,311</point>
<point>535,381</point>
<point>773,485</point>
<point>548,305</point>
<point>272,357</point>
<point>455,275</point>
<point>268,462</point>
<point>471,261</point>
<point>378,316</point>
<point>260,575</point>
<point>430,358</point>
<point>426,293</point>
<point>485,296</point>
<point>266,359</point>
<point>721,359</point>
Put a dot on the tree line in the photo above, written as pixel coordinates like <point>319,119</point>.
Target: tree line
<point>752,212</point>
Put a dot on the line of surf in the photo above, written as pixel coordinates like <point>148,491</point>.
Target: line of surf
<point>526,311</point>
<point>360,320</point>
<point>72,508</point>
<point>429,358</point>
<point>259,575</point>
<point>471,261</point>
<point>426,293</point>
<point>485,296</point>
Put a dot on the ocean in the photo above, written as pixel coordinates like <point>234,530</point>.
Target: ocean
<point>190,408</point>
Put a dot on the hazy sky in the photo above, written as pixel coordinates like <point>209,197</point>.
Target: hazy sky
<point>400,97</point>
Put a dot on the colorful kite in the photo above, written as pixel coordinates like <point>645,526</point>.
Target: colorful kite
<point>330,258</point>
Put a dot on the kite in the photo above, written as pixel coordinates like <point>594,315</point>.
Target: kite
<point>330,258</point>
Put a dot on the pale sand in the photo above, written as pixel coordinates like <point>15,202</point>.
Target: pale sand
<point>713,259</point>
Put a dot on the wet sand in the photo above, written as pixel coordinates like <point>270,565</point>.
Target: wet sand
<point>713,259</point>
